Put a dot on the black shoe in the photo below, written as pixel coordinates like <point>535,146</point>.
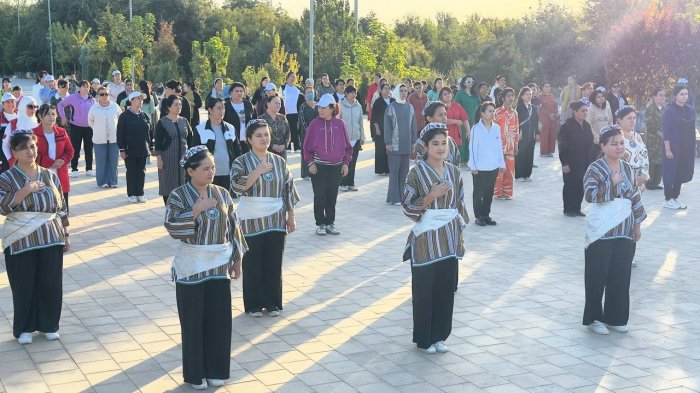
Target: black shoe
<point>570,214</point>
<point>534,166</point>
<point>489,221</point>
<point>580,214</point>
<point>480,222</point>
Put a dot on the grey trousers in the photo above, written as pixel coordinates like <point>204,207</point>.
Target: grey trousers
<point>398,171</point>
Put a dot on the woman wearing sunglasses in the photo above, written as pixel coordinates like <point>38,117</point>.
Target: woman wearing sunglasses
<point>26,120</point>
<point>102,118</point>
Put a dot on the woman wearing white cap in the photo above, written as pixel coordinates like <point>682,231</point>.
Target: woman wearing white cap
<point>135,145</point>
<point>328,151</point>
<point>116,86</point>
<point>103,117</point>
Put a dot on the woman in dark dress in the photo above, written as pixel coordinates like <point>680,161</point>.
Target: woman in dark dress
<point>172,134</point>
<point>575,154</point>
<point>529,128</point>
<point>381,159</point>
<point>678,126</point>
<point>307,112</point>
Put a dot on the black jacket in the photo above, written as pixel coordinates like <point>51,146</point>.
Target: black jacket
<point>134,134</point>
<point>185,112</point>
<point>615,104</point>
<point>204,135</point>
<point>576,147</point>
<point>231,117</point>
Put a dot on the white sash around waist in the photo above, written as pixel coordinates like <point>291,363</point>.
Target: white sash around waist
<point>434,219</point>
<point>605,216</point>
<point>193,259</point>
<point>21,224</point>
<point>257,207</point>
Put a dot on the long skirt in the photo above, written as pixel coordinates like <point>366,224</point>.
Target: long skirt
<point>608,270</point>
<point>205,321</point>
<point>381,161</point>
<point>36,281</point>
<point>262,271</point>
<point>525,158</point>
<point>398,171</point>
<point>433,301</point>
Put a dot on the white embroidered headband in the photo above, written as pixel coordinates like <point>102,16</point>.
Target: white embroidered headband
<point>431,126</point>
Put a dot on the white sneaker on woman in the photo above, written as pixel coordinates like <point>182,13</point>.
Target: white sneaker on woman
<point>672,204</point>
<point>680,204</point>
<point>132,199</point>
<point>598,328</point>
<point>441,347</point>
<point>201,386</point>
<point>141,199</point>
<point>52,336</point>
<point>216,382</point>
<point>25,338</point>
<point>430,350</point>
<point>619,329</point>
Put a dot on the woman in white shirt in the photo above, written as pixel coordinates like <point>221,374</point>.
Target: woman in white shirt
<point>102,118</point>
<point>486,161</point>
<point>291,95</point>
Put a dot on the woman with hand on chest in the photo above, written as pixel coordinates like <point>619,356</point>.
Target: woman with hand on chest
<point>266,211</point>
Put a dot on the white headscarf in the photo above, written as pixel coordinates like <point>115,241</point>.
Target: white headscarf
<point>397,93</point>
<point>25,122</point>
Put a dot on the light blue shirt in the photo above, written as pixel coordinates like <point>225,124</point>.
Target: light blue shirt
<point>486,148</point>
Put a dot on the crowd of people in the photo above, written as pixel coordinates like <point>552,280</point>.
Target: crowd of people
<point>230,197</point>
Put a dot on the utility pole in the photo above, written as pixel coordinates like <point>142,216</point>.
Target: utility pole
<point>18,16</point>
<point>311,39</point>
<point>131,17</point>
<point>357,17</point>
<point>50,38</point>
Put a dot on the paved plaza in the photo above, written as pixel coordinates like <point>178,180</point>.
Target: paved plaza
<point>346,324</point>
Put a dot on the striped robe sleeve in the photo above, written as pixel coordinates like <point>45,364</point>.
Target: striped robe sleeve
<point>413,195</point>
<point>239,175</point>
<point>596,185</point>
<point>290,194</point>
<point>179,219</point>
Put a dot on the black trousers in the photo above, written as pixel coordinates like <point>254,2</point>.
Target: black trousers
<point>349,180</point>
<point>381,159</point>
<point>78,136</point>
<point>672,188</point>
<point>135,175</point>
<point>655,173</point>
<point>65,198</point>
<point>293,120</point>
<point>608,270</point>
<point>525,158</point>
<point>572,193</point>
<point>433,301</point>
<point>482,195</point>
<point>36,281</point>
<point>325,184</point>
<point>262,271</point>
<point>205,321</point>
<point>223,181</point>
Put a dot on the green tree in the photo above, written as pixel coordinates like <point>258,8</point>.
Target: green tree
<point>334,28</point>
<point>67,43</point>
<point>200,65</point>
<point>162,62</point>
<point>230,38</point>
<point>218,55</point>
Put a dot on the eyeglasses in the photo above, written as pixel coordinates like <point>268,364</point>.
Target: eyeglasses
<point>103,94</point>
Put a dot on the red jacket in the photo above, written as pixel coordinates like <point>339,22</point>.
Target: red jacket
<point>64,151</point>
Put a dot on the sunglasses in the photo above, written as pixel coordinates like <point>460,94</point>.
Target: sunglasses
<point>468,81</point>
<point>32,106</point>
<point>103,94</point>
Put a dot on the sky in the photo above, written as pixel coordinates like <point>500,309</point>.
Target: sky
<point>390,10</point>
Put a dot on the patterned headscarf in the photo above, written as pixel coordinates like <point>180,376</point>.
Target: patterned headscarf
<point>191,152</point>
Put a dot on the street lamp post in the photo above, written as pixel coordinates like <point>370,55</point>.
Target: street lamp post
<point>311,39</point>
<point>131,17</point>
<point>357,17</point>
<point>50,38</point>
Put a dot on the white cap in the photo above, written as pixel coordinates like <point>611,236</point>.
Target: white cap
<point>96,81</point>
<point>326,100</point>
<point>683,81</point>
<point>270,86</point>
<point>134,94</point>
<point>48,78</point>
<point>309,80</point>
<point>7,97</point>
<point>115,72</point>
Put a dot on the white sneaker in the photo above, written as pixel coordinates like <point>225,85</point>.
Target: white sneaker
<point>634,264</point>
<point>273,313</point>
<point>619,329</point>
<point>25,338</point>
<point>141,199</point>
<point>74,174</point>
<point>216,382</point>
<point>256,314</point>
<point>598,328</point>
<point>431,349</point>
<point>132,199</point>
<point>441,347</point>
<point>672,204</point>
<point>680,204</point>
<point>330,229</point>
<point>201,386</point>
<point>352,188</point>
<point>52,336</point>
<point>321,230</point>
<point>104,186</point>
<point>90,173</point>
<point>343,188</point>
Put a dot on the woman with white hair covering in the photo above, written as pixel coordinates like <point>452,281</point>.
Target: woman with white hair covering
<point>399,136</point>
<point>26,120</point>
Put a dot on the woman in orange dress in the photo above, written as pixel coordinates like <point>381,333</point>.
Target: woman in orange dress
<point>507,119</point>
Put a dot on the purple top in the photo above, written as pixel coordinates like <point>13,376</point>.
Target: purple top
<point>81,106</point>
<point>327,142</point>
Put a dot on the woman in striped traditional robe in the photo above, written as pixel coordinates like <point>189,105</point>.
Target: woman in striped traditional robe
<point>266,211</point>
<point>434,198</point>
<point>202,216</point>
